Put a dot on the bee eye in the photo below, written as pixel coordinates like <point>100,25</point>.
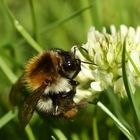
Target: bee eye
<point>67,66</point>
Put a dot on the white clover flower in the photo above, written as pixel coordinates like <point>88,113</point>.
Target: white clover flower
<point>104,50</point>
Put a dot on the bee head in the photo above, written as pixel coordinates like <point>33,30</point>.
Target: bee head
<point>70,66</point>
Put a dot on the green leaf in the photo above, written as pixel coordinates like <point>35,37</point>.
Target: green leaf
<point>129,92</point>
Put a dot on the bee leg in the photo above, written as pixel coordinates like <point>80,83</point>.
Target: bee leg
<point>69,94</point>
<point>56,110</point>
<point>73,82</point>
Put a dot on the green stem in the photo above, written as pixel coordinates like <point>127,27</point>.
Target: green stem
<point>60,134</point>
<point>34,23</point>
<point>129,92</point>
<point>7,117</point>
<point>11,76</point>
<point>29,133</point>
<point>126,132</point>
<point>27,36</point>
<point>53,138</point>
<point>95,129</point>
<point>22,30</point>
<point>65,20</point>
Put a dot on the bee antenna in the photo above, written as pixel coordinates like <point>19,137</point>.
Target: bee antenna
<point>75,47</point>
<point>87,62</point>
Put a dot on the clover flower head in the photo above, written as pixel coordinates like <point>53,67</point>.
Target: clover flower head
<point>104,51</point>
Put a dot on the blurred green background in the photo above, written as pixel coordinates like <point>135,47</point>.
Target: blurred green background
<point>62,24</point>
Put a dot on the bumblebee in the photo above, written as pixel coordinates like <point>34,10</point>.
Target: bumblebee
<point>47,86</point>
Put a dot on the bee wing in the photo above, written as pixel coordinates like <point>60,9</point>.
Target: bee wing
<point>17,95</point>
<point>29,106</point>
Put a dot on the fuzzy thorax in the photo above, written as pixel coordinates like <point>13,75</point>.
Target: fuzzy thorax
<point>41,68</point>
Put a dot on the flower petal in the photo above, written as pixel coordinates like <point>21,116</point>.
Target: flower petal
<point>96,86</point>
